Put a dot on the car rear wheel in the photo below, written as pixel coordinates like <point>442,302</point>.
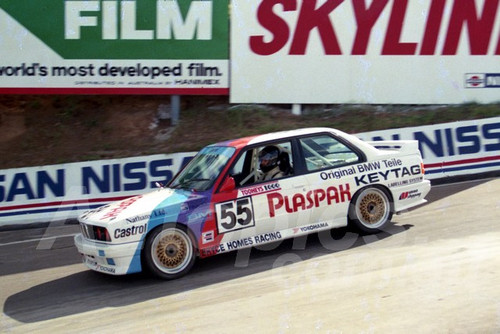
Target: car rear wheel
<point>169,252</point>
<point>370,210</point>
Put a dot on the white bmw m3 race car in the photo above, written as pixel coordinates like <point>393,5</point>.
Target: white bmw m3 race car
<point>252,191</point>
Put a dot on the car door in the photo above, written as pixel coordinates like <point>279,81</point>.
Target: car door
<point>329,165</point>
<point>263,207</point>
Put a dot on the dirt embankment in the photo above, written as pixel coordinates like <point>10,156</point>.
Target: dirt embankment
<point>42,130</point>
<point>47,129</point>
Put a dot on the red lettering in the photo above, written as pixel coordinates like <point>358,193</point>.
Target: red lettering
<point>433,27</point>
<point>288,205</point>
<point>332,195</point>
<point>310,201</point>
<point>392,44</point>
<point>311,18</point>
<point>319,195</point>
<point>464,12</point>
<point>345,192</point>
<point>276,26</point>
<point>272,205</point>
<point>365,19</point>
<point>314,16</point>
<point>122,206</point>
<point>313,198</point>
<point>299,202</point>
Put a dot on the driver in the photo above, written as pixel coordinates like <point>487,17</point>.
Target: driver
<point>269,163</point>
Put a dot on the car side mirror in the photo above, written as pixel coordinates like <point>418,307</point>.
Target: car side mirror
<point>228,184</point>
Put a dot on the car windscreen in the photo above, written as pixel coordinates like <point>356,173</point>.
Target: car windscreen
<point>204,168</point>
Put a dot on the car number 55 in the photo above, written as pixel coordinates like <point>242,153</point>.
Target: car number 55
<point>234,215</point>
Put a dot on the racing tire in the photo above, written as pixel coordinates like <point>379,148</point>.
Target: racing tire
<point>169,252</point>
<point>370,210</point>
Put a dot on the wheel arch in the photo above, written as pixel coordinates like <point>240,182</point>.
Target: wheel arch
<point>354,215</point>
<point>380,186</point>
<point>184,227</point>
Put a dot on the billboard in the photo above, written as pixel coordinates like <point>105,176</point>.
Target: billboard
<point>59,192</point>
<point>114,47</point>
<point>451,149</point>
<point>358,51</point>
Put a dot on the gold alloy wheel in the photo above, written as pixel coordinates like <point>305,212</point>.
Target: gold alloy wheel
<point>372,207</point>
<point>172,250</point>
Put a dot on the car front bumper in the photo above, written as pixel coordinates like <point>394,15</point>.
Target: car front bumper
<point>114,259</point>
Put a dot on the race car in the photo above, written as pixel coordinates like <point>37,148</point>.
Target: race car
<point>253,191</point>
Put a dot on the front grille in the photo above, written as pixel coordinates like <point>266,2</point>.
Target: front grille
<point>95,232</point>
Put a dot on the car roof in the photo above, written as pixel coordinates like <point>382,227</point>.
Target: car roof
<point>242,142</point>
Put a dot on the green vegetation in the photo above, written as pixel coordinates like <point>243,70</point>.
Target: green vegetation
<point>200,125</point>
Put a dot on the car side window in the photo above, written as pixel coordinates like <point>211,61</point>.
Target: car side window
<point>263,163</point>
<point>324,151</point>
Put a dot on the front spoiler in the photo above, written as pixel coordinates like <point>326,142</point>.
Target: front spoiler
<point>113,259</point>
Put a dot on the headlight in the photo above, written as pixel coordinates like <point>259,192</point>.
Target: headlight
<point>95,232</point>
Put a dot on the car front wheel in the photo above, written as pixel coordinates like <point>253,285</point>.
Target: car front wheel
<point>370,210</point>
<point>169,252</point>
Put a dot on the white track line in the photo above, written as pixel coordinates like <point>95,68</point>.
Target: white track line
<point>38,240</point>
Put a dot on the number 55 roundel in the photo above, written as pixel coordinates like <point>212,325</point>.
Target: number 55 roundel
<point>234,215</point>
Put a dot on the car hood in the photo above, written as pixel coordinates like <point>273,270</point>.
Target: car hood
<point>163,202</point>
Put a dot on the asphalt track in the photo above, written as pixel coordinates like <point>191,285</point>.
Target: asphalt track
<point>435,270</point>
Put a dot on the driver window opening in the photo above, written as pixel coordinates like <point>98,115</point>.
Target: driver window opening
<point>263,163</point>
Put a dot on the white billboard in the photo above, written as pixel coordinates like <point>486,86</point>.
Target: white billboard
<point>357,51</point>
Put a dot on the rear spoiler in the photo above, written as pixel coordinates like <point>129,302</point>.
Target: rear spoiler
<point>402,146</point>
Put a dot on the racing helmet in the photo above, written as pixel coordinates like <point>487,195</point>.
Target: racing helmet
<point>268,158</point>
